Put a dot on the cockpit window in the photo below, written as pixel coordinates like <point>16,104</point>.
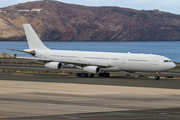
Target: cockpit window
<point>167,61</point>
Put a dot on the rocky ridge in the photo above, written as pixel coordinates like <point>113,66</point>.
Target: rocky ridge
<point>57,21</point>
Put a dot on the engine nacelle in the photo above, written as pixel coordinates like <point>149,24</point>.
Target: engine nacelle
<point>54,65</point>
<point>91,69</point>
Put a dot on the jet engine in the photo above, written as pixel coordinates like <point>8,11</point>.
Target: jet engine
<point>54,65</point>
<point>91,69</point>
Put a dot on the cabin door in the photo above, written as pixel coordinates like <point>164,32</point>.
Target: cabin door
<point>124,59</point>
<point>79,57</point>
<point>155,61</point>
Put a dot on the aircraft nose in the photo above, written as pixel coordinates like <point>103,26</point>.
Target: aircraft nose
<point>174,65</point>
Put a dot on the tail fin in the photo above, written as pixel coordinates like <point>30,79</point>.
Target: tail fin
<point>32,38</point>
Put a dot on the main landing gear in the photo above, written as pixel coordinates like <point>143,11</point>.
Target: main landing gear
<point>157,76</point>
<point>85,75</point>
<point>104,74</point>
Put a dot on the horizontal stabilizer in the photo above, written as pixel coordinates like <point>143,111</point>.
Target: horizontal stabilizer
<point>18,50</point>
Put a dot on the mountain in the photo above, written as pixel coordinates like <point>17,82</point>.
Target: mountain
<point>57,21</point>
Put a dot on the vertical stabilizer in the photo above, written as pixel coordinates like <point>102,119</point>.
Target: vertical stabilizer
<point>32,38</point>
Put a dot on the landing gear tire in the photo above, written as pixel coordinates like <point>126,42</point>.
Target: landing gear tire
<point>107,74</point>
<point>91,75</point>
<point>100,74</point>
<point>157,78</point>
<point>79,75</point>
<point>85,75</point>
<point>104,74</point>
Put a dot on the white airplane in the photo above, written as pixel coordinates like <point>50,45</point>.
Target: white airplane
<point>92,63</point>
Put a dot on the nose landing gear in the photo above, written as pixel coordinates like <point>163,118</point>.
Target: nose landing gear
<point>157,76</point>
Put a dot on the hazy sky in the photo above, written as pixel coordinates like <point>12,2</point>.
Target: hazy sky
<point>172,6</point>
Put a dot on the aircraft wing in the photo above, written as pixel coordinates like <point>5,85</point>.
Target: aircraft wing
<point>68,61</point>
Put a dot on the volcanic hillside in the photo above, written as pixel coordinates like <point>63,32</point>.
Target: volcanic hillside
<point>57,21</point>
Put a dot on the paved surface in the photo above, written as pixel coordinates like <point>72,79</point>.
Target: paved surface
<point>42,68</point>
<point>42,100</point>
<point>39,96</point>
<point>115,81</point>
<point>152,114</point>
<point>49,96</point>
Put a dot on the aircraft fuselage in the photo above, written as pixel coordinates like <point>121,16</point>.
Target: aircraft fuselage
<point>117,61</point>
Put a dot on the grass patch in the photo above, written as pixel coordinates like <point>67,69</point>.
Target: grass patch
<point>142,76</point>
<point>20,63</point>
<point>36,72</point>
<point>70,73</point>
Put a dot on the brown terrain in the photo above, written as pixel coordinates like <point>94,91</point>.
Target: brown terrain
<point>57,21</point>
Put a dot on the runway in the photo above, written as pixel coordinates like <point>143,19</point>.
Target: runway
<point>53,96</point>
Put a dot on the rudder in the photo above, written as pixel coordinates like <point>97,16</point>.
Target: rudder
<point>32,38</point>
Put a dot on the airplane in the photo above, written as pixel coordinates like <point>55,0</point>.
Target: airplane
<point>91,63</point>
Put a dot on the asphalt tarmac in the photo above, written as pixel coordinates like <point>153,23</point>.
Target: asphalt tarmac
<point>115,81</point>
<point>64,96</point>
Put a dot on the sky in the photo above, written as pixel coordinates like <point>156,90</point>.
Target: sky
<point>172,6</point>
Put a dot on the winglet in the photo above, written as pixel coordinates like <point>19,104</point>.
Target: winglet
<point>32,38</point>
